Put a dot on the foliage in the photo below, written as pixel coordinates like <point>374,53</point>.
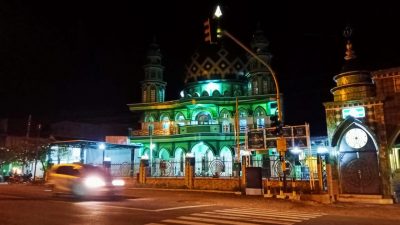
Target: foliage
<point>25,151</point>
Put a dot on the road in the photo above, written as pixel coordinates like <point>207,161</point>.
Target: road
<point>34,205</point>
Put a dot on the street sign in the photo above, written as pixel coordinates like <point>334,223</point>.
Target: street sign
<point>281,144</point>
<point>267,138</point>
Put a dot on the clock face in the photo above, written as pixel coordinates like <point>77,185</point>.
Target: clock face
<point>356,138</point>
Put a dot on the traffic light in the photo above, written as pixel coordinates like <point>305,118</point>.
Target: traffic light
<point>277,124</point>
<point>207,31</point>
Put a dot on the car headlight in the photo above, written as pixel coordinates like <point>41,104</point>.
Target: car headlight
<point>118,182</point>
<point>93,182</point>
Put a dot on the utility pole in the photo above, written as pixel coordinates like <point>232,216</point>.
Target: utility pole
<point>39,128</point>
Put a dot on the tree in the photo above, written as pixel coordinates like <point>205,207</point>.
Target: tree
<point>27,150</point>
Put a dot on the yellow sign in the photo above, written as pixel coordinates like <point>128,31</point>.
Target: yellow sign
<point>281,144</point>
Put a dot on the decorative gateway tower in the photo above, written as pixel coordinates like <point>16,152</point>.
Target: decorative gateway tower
<point>202,122</point>
<point>357,132</point>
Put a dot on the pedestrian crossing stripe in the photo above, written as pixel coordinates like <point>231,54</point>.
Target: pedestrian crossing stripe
<point>241,216</point>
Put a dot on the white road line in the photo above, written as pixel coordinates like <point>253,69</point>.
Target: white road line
<point>146,210</point>
<point>241,216</point>
<point>274,214</point>
<point>286,212</point>
<point>181,207</point>
<point>258,217</point>
<point>247,219</point>
<point>215,221</point>
<point>186,222</point>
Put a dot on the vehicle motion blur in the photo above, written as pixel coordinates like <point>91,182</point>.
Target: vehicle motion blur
<point>83,180</point>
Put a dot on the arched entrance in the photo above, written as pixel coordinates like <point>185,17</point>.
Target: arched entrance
<point>179,164</point>
<point>226,158</point>
<point>358,160</point>
<point>203,156</point>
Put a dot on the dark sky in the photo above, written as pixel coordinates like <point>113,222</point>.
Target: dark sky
<point>85,56</point>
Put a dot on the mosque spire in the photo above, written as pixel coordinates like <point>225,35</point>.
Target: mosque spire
<point>349,46</point>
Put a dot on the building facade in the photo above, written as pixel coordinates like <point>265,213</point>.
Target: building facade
<point>362,126</point>
<point>225,95</point>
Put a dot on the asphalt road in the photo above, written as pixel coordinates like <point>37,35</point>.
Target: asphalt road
<point>34,205</point>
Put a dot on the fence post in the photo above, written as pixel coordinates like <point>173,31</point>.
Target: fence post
<point>189,172</point>
<point>144,163</point>
<point>268,195</point>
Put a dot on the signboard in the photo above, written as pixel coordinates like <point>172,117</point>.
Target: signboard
<point>281,144</point>
<point>356,112</point>
<point>256,140</point>
<point>267,138</point>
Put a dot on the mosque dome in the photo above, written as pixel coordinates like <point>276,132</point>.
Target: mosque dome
<point>216,70</point>
<point>211,62</point>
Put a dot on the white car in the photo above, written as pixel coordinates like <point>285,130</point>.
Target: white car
<point>83,180</point>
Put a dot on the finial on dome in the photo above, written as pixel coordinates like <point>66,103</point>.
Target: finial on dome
<point>347,33</point>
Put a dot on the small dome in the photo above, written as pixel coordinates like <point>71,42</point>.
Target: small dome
<point>211,62</point>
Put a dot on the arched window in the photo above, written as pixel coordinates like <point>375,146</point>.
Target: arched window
<point>204,93</point>
<point>225,118</point>
<point>203,118</point>
<point>255,87</point>
<point>242,120</point>
<point>144,95</point>
<point>180,119</point>
<point>165,123</point>
<point>216,93</point>
<point>259,116</point>
<point>152,94</point>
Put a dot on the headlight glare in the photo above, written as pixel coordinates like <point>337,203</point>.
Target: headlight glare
<point>118,182</point>
<point>93,182</point>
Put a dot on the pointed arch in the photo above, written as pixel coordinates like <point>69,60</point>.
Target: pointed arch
<point>179,162</point>
<point>216,93</point>
<point>180,119</point>
<point>163,154</point>
<point>226,156</point>
<point>225,118</point>
<point>259,117</point>
<point>203,155</point>
<point>345,125</point>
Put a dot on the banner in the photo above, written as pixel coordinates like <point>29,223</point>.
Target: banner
<point>256,140</point>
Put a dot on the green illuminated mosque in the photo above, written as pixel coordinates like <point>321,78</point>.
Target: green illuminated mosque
<point>219,85</point>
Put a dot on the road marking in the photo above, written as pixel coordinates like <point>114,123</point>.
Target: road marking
<point>243,216</point>
<point>141,209</point>
<point>215,221</point>
<point>181,207</point>
<point>186,222</point>
<point>271,213</point>
<point>264,220</point>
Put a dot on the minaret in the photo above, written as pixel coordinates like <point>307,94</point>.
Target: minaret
<point>153,86</point>
<point>260,78</point>
<point>353,82</point>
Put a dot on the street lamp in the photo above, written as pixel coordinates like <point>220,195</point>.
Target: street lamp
<point>220,33</point>
<point>281,142</point>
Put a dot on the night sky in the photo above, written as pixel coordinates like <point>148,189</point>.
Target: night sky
<point>59,59</point>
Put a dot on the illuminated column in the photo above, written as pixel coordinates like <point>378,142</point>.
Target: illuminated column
<point>144,163</point>
<point>245,163</point>
<point>189,171</point>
